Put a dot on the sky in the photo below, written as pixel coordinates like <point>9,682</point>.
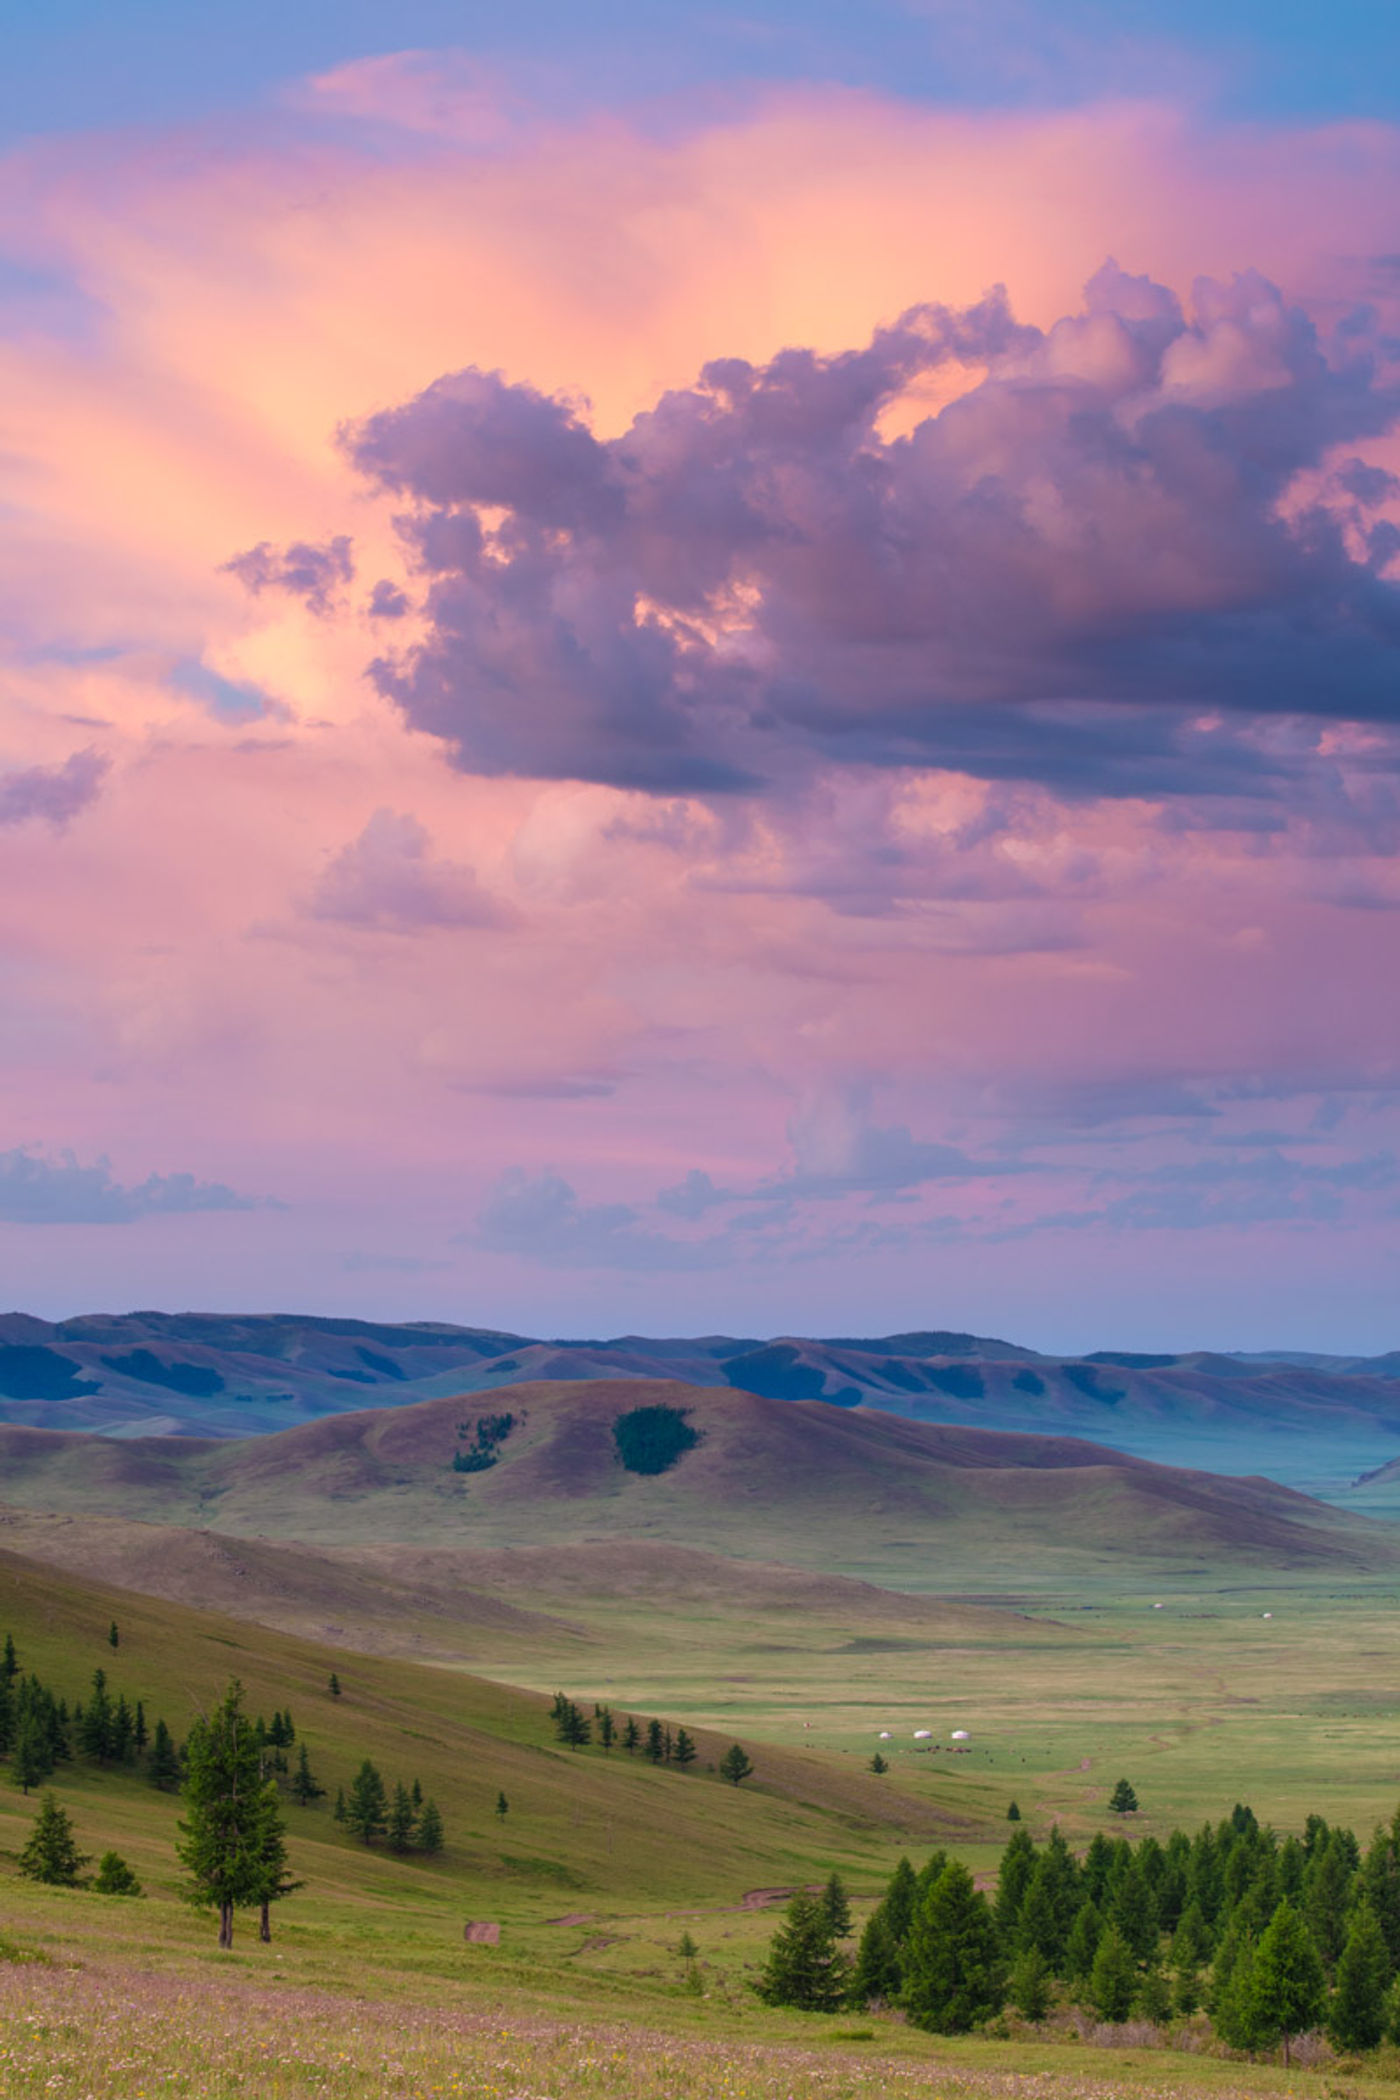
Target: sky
<point>704,669</point>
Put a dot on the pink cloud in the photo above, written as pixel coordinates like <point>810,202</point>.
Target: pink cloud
<point>954,969</point>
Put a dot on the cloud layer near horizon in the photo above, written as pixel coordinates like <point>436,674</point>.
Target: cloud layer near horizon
<point>551,727</point>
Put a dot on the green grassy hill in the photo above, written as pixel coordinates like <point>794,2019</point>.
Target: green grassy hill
<point>583,1826</point>
<point>912,1505</point>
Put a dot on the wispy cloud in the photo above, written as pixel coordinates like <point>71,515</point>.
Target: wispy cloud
<point>38,1188</point>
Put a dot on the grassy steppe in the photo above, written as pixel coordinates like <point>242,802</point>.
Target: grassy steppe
<point>1107,1619</point>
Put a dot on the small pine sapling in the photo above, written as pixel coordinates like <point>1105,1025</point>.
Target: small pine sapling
<point>114,1877</point>
<point>51,1852</point>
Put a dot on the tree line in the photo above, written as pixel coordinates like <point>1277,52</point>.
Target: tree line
<point>1269,1937</point>
<point>656,1740</point>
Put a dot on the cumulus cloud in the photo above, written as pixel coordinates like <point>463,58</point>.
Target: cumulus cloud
<point>57,794</point>
<point>314,573</point>
<point>389,879</point>
<point>1093,566</point>
<point>42,1189</point>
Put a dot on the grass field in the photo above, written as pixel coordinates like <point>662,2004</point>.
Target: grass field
<point>1065,1676</point>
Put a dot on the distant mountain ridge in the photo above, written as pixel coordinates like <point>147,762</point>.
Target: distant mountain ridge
<point>1298,1417</point>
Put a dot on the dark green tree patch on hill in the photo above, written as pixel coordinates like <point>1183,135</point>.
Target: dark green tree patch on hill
<point>1085,1379</point>
<point>29,1371</point>
<point>959,1381</point>
<point>1130,1360</point>
<point>196,1381</point>
<point>777,1373</point>
<point>384,1365</point>
<point>1028,1382</point>
<point>488,1434</point>
<point>653,1439</point>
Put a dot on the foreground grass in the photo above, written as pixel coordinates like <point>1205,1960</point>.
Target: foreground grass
<point>119,2033</point>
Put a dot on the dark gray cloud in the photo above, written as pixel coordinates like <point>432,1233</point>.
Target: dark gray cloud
<point>56,794</point>
<point>42,1189</point>
<point>305,570</point>
<point>1083,571</point>
<point>390,880</point>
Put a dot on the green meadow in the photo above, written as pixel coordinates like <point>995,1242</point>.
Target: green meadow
<point>1205,1673</point>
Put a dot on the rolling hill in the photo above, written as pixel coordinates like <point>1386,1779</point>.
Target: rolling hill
<point>1307,1420</point>
<point>913,1506</point>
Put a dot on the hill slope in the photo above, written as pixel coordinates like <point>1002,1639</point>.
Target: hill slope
<point>1304,1419</point>
<point>912,1505</point>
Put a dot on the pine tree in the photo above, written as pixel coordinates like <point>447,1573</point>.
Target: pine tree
<point>163,1765</point>
<point>837,1907</point>
<point>1123,1801</point>
<point>1030,1985</point>
<point>139,1734</point>
<point>1290,1989</point>
<point>9,1662</point>
<point>123,1731</point>
<point>952,1977</point>
<point>1154,1995</point>
<point>31,1760</point>
<point>502,1806</point>
<point>1134,1911</point>
<point>668,1744</point>
<point>51,1852</point>
<point>1037,1925</point>
<point>607,1729</point>
<point>113,1637</point>
<point>1327,1896</point>
<point>367,1804</point>
<point>878,1973</point>
<point>1013,1813</point>
<point>275,1879</point>
<point>803,1968</point>
<point>430,1833</point>
<point>95,1731</point>
<point>1356,2015</point>
<point>338,1812</point>
<point>1083,1943</point>
<point>1379,1886</point>
<point>114,1877</point>
<point>1113,1978</point>
<point>878,1764</point>
<point>1018,1863</point>
<point>1234,2003</point>
<point>631,1736</point>
<point>735,1765</point>
<point>333,1685</point>
<point>686,1752</point>
<point>415,1795</point>
<point>656,1743</point>
<point>222,1838</point>
<point>572,1727</point>
<point>401,1819</point>
<point>305,1787</point>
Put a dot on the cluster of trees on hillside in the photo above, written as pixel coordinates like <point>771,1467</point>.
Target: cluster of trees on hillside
<point>1269,1937</point>
<point>408,1821</point>
<point>658,1742</point>
<point>39,1732</point>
